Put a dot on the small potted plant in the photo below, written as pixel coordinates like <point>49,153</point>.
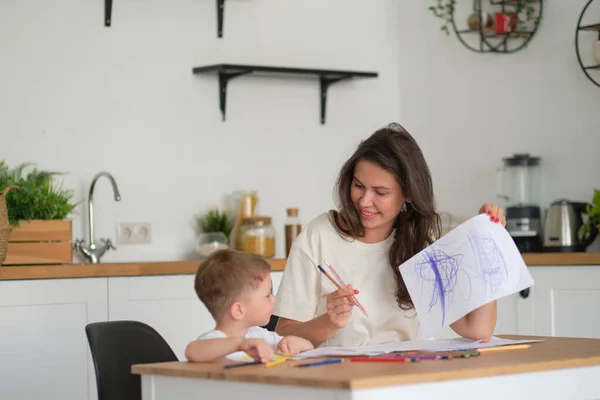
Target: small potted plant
<point>214,229</point>
<point>593,213</point>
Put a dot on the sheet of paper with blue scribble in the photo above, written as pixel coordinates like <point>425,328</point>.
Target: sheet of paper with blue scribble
<point>472,265</point>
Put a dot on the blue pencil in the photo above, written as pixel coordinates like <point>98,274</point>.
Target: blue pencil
<point>243,364</point>
<point>317,363</point>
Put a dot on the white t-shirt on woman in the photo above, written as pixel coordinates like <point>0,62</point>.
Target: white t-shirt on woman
<point>303,291</point>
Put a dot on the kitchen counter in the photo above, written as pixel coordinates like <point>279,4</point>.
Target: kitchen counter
<point>189,267</point>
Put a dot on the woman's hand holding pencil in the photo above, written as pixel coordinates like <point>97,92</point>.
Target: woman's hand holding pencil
<point>339,306</point>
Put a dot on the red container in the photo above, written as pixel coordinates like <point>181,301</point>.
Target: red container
<point>505,22</point>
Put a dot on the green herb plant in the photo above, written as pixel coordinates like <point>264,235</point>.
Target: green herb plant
<point>593,213</point>
<point>444,9</point>
<point>216,220</point>
<point>38,196</point>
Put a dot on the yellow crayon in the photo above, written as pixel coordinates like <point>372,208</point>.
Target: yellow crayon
<point>276,362</point>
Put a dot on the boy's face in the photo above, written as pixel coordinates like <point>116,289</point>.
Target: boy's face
<point>259,303</point>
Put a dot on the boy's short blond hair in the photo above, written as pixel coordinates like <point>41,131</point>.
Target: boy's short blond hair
<point>225,276</point>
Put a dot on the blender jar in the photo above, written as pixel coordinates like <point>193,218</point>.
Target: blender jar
<point>519,181</point>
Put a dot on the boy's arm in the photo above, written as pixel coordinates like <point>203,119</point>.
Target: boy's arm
<point>206,350</point>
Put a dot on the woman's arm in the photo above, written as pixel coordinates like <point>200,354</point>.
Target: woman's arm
<point>317,330</point>
<point>320,329</point>
<point>479,324</point>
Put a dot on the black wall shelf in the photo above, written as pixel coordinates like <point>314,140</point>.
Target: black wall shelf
<point>326,77</point>
<point>107,12</point>
<point>220,14</point>
<point>594,76</point>
<point>491,42</point>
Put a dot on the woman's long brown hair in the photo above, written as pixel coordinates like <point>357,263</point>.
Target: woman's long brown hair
<point>396,151</point>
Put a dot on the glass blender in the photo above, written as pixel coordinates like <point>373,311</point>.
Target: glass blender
<point>519,186</point>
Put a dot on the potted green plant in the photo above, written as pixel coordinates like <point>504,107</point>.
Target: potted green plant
<point>214,229</point>
<point>37,212</point>
<point>593,213</point>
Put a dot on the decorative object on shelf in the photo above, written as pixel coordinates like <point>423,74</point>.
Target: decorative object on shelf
<point>593,216</point>
<point>227,72</point>
<point>215,227</point>
<point>591,70</point>
<point>480,19</point>
<point>37,213</point>
<point>511,28</point>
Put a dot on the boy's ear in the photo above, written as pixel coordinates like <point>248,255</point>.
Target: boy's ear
<point>237,310</point>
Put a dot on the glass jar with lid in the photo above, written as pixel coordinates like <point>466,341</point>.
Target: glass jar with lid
<point>258,236</point>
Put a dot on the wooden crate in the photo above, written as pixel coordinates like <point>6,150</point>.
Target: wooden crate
<point>40,242</point>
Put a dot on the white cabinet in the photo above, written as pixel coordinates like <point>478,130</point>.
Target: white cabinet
<point>167,303</point>
<point>44,352</point>
<point>564,302</point>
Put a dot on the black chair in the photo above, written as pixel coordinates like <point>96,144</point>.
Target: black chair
<point>115,347</point>
<point>272,323</point>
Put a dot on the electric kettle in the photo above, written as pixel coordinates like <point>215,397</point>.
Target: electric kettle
<point>561,228</point>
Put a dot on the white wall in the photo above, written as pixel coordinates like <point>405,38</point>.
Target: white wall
<point>79,97</point>
<point>469,110</point>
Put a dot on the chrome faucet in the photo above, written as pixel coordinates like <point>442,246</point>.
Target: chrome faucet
<point>94,252</point>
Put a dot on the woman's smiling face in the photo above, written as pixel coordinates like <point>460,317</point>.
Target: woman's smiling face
<point>378,198</point>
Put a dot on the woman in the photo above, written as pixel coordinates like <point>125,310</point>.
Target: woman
<point>387,215</point>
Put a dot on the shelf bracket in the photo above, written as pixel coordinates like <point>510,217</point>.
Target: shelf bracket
<point>220,14</point>
<point>107,12</point>
<point>325,83</point>
<point>224,78</point>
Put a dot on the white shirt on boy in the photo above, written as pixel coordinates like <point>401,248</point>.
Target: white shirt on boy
<point>254,332</point>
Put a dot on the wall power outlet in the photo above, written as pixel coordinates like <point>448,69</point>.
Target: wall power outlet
<point>134,233</point>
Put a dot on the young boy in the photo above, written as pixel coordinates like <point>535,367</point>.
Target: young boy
<point>236,289</point>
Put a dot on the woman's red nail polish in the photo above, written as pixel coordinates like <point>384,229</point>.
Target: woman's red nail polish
<point>489,212</point>
<point>355,291</point>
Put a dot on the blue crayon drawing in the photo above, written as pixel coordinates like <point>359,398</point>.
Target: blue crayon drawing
<point>440,271</point>
<point>491,266</point>
<point>444,270</point>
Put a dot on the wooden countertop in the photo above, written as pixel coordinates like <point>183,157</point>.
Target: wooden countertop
<point>115,269</point>
<point>189,267</point>
<point>554,353</point>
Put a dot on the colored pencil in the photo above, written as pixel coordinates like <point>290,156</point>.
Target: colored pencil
<point>276,362</point>
<point>337,285</point>
<point>242,364</point>
<point>341,281</point>
<point>318,363</point>
<point>382,359</point>
<point>507,347</point>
